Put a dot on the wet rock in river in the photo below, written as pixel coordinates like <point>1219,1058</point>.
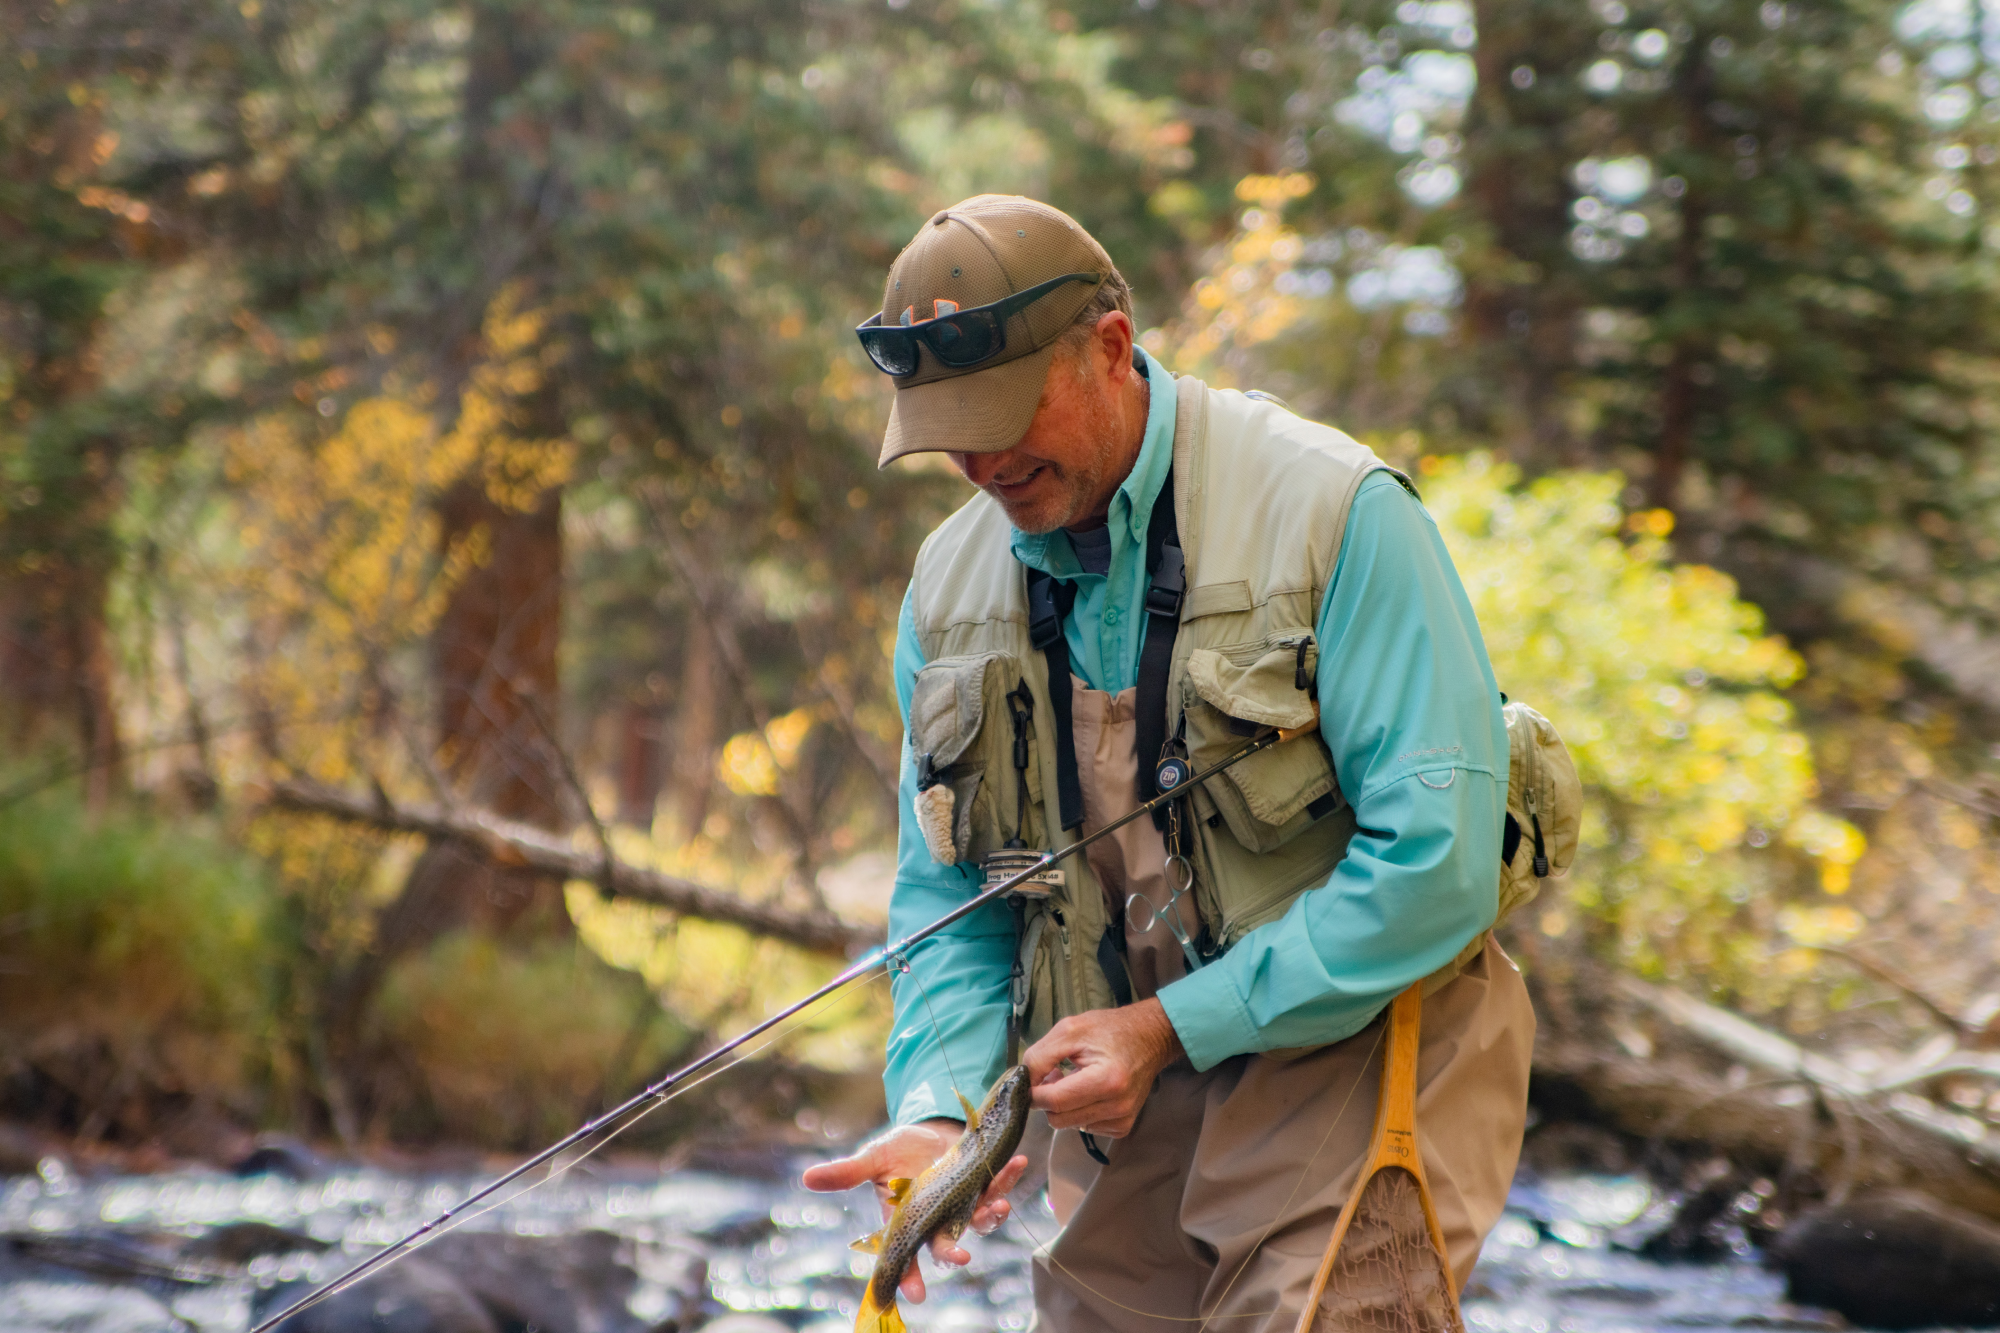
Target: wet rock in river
<point>412,1296</point>
<point>281,1155</point>
<point>578,1283</point>
<point>237,1243</point>
<point>472,1281</point>
<point>1895,1259</point>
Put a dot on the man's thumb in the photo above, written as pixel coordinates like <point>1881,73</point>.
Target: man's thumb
<point>841,1174</point>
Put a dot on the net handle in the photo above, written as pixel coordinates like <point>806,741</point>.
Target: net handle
<point>1394,1143</point>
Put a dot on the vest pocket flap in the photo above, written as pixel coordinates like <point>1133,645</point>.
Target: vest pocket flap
<point>1258,685</point>
<point>1287,781</point>
<point>1270,798</point>
<point>948,707</point>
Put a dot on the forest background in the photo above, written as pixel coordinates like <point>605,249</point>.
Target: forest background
<point>418,414</point>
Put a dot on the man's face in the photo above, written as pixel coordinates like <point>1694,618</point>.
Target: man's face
<point>1059,474</point>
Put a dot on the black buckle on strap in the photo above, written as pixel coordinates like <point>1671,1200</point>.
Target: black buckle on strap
<point>1169,586</point>
<point>1044,617</point>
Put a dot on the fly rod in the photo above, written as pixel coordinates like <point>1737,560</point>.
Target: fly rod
<point>876,958</point>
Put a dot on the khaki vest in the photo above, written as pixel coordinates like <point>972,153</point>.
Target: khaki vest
<point>1262,498</point>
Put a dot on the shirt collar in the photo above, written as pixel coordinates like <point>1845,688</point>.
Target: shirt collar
<point>1132,504</point>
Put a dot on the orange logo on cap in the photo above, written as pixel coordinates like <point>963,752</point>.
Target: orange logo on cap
<point>941,308</point>
<point>909,315</point>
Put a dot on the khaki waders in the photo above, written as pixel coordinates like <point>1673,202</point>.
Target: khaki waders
<point>1223,1198</point>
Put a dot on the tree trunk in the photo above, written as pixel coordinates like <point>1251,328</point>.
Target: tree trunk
<point>640,760</point>
<point>56,665</point>
<point>697,729</point>
<point>494,673</point>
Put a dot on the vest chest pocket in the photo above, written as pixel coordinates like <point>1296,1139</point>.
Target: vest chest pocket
<point>972,736</point>
<point>1230,694</point>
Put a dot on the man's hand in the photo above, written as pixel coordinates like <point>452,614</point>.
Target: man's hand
<point>1113,1056</point>
<point>904,1152</point>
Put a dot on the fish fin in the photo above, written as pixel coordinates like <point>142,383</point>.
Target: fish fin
<point>956,1229</point>
<point>899,1190</point>
<point>875,1318</point>
<point>870,1244</point>
<point>971,1111</point>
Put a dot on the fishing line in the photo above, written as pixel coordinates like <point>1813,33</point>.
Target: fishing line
<point>610,1125</point>
<point>1046,1248</point>
<point>557,1171</point>
<point>901,964</point>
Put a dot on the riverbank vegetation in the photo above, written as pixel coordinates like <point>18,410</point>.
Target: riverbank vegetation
<point>446,590</point>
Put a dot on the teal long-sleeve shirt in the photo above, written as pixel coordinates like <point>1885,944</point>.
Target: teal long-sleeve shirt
<point>1411,714</point>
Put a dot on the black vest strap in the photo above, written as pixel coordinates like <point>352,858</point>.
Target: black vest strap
<point>1164,594</point>
<point>1049,603</point>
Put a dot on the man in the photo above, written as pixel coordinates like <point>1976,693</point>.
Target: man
<point>1154,570</point>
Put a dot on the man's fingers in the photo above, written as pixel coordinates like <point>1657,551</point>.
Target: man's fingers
<point>1085,1112</point>
<point>987,1218</point>
<point>913,1285</point>
<point>1056,1048</point>
<point>1004,1183</point>
<point>1087,1087</point>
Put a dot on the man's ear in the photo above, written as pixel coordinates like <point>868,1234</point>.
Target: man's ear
<point>1114,345</point>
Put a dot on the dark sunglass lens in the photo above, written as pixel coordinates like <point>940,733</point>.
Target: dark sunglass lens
<point>895,352</point>
<point>967,339</point>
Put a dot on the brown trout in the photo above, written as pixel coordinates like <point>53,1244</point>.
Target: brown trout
<point>941,1200</point>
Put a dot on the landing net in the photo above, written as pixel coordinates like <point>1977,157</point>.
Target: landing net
<point>1387,1275</point>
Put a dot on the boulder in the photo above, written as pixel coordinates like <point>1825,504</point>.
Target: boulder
<point>235,1244</point>
<point>577,1283</point>
<point>472,1281</point>
<point>411,1295</point>
<point>281,1155</point>
<point>1894,1259</point>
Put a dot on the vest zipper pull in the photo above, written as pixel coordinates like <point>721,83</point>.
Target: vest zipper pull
<point>1532,800</point>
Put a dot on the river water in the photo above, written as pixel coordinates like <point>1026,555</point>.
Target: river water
<point>1556,1263</point>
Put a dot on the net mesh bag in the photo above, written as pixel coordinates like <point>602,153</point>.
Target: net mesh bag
<point>1387,1275</point>
<point>1385,1269</point>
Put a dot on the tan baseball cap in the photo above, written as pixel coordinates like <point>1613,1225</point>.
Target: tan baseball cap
<point>972,254</point>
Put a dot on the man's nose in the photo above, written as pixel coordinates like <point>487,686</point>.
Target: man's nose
<point>979,469</point>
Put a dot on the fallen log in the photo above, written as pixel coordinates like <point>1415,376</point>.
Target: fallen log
<point>1773,1054</point>
<point>507,842</point>
<point>1706,1078</point>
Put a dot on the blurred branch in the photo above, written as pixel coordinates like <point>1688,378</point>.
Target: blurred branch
<point>836,694</point>
<point>1743,1041</point>
<point>1889,976</point>
<point>610,872</point>
<point>723,634</point>
<point>1977,801</point>
<point>506,842</point>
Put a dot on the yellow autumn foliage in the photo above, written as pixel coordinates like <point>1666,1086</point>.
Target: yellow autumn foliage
<point>1238,304</point>
<point>341,566</point>
<point>1664,684</point>
<point>751,760</point>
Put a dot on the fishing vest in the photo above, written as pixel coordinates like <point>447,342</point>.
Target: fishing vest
<point>1261,499</point>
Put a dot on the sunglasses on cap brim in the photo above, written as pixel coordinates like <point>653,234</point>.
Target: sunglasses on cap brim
<point>959,339</point>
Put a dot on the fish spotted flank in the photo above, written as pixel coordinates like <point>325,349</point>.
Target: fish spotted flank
<point>941,1200</point>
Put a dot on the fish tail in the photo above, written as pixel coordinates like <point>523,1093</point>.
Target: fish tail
<point>878,1318</point>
